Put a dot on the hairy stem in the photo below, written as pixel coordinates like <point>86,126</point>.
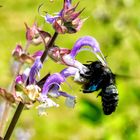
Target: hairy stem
<point>21,105</point>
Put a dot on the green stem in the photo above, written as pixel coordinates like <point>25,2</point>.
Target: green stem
<point>21,105</point>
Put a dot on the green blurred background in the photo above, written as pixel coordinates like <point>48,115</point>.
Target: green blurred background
<point>116,25</point>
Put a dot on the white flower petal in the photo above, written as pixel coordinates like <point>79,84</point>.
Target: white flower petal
<point>42,109</point>
<point>47,103</point>
<point>77,77</point>
<point>51,103</point>
<point>70,102</point>
<point>53,94</point>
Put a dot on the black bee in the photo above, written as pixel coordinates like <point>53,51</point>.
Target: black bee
<point>101,77</point>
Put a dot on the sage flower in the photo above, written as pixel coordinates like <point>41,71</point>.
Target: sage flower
<point>67,56</point>
<point>67,20</point>
<point>69,59</point>
<point>35,71</point>
<point>22,78</point>
<point>52,86</point>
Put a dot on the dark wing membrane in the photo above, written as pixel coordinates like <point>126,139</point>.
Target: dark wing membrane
<point>126,77</point>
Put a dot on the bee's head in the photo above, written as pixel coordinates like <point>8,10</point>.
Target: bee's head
<point>98,76</point>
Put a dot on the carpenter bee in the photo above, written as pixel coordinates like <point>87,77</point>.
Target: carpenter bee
<point>100,77</point>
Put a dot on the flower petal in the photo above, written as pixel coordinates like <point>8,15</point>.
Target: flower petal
<point>85,41</point>
<point>35,70</point>
<point>50,19</point>
<point>37,54</point>
<point>47,104</point>
<point>70,71</point>
<point>70,61</point>
<point>53,79</point>
<point>17,51</point>
<point>63,21</point>
<point>33,92</point>
<point>70,102</point>
<point>20,79</point>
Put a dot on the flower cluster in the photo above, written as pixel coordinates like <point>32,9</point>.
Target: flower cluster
<point>67,20</point>
<point>29,88</point>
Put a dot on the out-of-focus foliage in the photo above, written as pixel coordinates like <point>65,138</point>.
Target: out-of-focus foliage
<point>116,25</point>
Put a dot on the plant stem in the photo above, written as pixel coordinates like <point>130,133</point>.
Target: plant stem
<point>11,90</point>
<point>14,121</point>
<point>7,106</point>
<point>21,105</point>
<point>44,55</point>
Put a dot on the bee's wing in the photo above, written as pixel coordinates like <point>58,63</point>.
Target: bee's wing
<point>126,77</point>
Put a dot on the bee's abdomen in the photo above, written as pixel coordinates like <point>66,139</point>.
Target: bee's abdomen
<point>109,99</point>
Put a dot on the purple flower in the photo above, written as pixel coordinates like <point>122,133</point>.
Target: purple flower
<point>52,86</point>
<point>61,55</point>
<point>20,79</point>
<point>84,41</point>
<point>67,57</point>
<point>70,71</point>
<point>37,54</point>
<point>35,71</point>
<point>50,19</point>
<point>67,20</point>
<point>55,79</point>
